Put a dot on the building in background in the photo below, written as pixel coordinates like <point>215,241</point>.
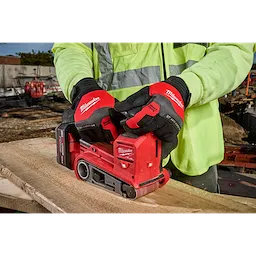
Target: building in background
<point>13,78</point>
<point>10,60</point>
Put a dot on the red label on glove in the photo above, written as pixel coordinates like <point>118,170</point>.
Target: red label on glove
<point>107,125</point>
<point>151,109</point>
<point>171,93</point>
<point>92,101</point>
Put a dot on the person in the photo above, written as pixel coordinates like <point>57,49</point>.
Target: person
<point>170,89</point>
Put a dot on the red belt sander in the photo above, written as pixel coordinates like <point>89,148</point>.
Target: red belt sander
<point>131,167</point>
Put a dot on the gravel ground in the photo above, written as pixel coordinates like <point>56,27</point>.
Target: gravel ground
<point>40,121</point>
<point>31,122</point>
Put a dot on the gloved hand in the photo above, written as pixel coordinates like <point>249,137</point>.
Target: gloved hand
<point>158,108</point>
<point>91,111</point>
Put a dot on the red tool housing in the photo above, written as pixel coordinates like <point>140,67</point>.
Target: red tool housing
<point>130,167</point>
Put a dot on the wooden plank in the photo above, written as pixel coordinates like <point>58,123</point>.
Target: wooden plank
<point>31,165</point>
<point>12,197</point>
<point>244,200</point>
<point>21,205</point>
<point>8,188</point>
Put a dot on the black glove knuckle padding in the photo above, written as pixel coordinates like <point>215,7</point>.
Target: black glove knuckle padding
<point>116,117</point>
<point>135,100</point>
<point>68,116</point>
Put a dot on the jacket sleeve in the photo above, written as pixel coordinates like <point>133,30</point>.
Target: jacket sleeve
<point>220,71</point>
<point>73,62</point>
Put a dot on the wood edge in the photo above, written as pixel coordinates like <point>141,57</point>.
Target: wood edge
<point>21,205</point>
<point>221,199</point>
<point>251,202</point>
<point>31,191</point>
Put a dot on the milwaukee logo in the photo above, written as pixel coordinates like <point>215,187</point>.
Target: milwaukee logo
<point>125,151</point>
<point>88,105</point>
<point>173,97</point>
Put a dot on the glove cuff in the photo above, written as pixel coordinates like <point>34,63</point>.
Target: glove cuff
<point>181,86</point>
<point>84,86</point>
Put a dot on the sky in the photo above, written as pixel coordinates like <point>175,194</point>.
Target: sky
<point>13,48</point>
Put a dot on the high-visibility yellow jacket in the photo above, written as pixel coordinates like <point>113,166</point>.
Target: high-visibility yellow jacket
<point>209,70</point>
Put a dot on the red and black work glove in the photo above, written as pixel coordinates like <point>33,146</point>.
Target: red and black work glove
<point>158,108</point>
<point>91,106</point>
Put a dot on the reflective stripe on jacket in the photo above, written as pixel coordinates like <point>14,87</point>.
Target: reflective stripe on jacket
<point>209,70</point>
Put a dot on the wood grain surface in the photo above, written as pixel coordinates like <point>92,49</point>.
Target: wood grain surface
<point>31,165</point>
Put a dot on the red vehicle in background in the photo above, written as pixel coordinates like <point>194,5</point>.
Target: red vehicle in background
<point>38,89</point>
<point>35,89</point>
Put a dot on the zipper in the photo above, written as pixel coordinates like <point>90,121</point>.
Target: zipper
<point>162,49</point>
